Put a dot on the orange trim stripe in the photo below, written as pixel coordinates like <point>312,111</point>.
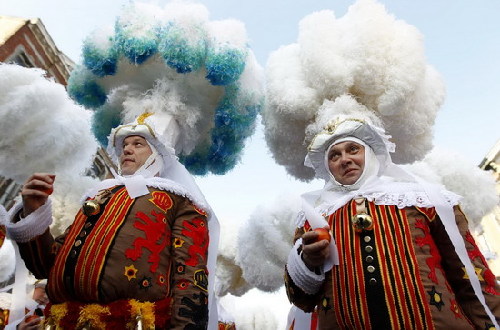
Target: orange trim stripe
<point>417,289</point>
<point>337,228</point>
<point>56,277</point>
<point>94,250</point>
<point>411,268</point>
<point>350,245</point>
<point>382,255</point>
<point>405,296</point>
<point>87,275</point>
<point>351,310</point>
<point>357,268</point>
<point>410,302</point>
<point>425,311</point>
<point>400,267</point>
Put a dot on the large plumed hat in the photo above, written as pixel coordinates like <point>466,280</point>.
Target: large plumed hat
<point>366,62</point>
<point>174,61</point>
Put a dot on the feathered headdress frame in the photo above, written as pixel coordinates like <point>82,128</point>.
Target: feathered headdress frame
<point>176,63</point>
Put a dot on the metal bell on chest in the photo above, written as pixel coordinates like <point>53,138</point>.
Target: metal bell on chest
<point>362,222</point>
<point>91,207</point>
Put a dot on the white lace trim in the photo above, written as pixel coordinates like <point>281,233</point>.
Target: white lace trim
<point>401,200</point>
<point>35,224</point>
<point>419,199</point>
<point>305,279</point>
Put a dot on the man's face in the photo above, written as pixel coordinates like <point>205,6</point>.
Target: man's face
<point>346,162</point>
<point>135,152</point>
<point>40,296</point>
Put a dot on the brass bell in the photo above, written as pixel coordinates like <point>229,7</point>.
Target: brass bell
<point>362,222</point>
<point>91,207</point>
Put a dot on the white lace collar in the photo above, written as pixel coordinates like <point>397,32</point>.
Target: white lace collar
<point>381,191</point>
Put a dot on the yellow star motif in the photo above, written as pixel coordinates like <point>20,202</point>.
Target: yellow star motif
<point>130,272</point>
<point>478,273</point>
<point>178,242</point>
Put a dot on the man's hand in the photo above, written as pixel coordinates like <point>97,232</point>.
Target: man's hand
<point>30,323</point>
<point>314,252</point>
<point>36,190</point>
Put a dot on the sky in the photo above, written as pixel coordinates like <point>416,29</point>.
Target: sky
<point>462,41</point>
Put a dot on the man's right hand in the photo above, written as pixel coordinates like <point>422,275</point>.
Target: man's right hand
<point>314,252</point>
<point>35,191</point>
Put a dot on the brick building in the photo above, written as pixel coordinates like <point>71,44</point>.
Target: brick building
<point>26,42</point>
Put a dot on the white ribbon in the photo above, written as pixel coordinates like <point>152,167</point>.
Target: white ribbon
<point>317,221</point>
<point>16,314</point>
<point>136,185</point>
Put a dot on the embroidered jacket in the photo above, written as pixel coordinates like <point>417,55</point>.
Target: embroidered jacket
<point>151,249</point>
<point>403,273</point>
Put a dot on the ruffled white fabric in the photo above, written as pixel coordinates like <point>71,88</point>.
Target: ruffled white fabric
<point>35,224</point>
<point>381,191</point>
<point>136,184</point>
<point>308,281</point>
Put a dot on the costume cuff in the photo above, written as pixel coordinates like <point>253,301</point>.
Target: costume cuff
<point>308,281</point>
<point>35,224</point>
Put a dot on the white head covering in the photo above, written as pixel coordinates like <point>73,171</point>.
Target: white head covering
<point>161,157</point>
<point>391,185</point>
<point>342,127</point>
<point>381,179</point>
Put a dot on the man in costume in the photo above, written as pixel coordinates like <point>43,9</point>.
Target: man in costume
<point>404,257</point>
<point>138,251</point>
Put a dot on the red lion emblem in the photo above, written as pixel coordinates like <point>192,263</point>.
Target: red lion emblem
<point>156,239</point>
<point>435,260</point>
<point>198,231</point>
